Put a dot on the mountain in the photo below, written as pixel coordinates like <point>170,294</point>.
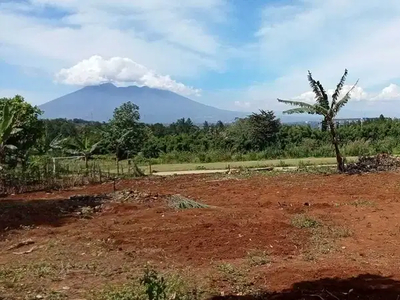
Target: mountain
<point>97,103</point>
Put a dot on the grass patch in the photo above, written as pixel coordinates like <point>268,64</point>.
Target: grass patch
<point>362,202</point>
<point>200,168</point>
<point>303,221</point>
<point>236,278</point>
<point>151,286</point>
<point>180,202</point>
<point>258,258</point>
<point>323,240</point>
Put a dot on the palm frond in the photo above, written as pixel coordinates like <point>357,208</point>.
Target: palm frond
<point>307,107</point>
<point>323,101</point>
<point>315,87</point>
<point>74,152</point>
<point>296,103</point>
<point>121,139</point>
<point>7,122</point>
<point>94,147</point>
<point>300,110</point>
<point>343,101</point>
<point>11,147</point>
<point>56,143</point>
<point>16,130</point>
<point>339,88</point>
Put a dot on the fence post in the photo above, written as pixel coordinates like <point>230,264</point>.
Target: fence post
<point>54,165</point>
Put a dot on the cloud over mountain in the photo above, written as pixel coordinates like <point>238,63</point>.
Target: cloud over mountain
<point>120,71</point>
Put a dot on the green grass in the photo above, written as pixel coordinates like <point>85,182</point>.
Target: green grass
<point>108,165</point>
<point>294,162</point>
<point>303,221</point>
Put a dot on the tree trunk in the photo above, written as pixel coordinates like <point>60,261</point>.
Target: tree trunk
<point>335,142</point>
<point>324,125</point>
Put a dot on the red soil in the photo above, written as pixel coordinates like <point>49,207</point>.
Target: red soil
<point>247,214</point>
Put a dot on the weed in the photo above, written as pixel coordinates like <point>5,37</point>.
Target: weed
<point>126,292</point>
<point>323,240</point>
<point>258,258</point>
<point>180,202</point>
<point>151,286</point>
<point>229,271</point>
<point>236,278</point>
<point>282,164</point>
<point>200,168</point>
<point>303,221</point>
<point>362,202</point>
<point>56,296</point>
<point>155,285</point>
<point>339,232</point>
<point>86,212</point>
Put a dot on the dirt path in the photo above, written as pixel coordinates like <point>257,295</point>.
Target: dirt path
<point>194,172</point>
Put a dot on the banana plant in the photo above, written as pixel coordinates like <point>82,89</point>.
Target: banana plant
<point>81,146</point>
<point>7,129</point>
<point>328,110</point>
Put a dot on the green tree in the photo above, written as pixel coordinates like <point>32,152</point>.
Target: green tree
<point>264,128</point>
<point>320,108</point>
<point>126,135</point>
<point>30,128</point>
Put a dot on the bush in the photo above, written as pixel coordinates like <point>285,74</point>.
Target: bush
<point>358,148</point>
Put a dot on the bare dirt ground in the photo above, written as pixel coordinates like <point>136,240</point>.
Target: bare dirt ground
<point>291,236</point>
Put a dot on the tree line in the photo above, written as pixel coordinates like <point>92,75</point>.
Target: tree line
<point>24,136</point>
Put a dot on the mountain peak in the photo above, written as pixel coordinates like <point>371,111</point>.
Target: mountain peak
<point>107,85</point>
<point>97,103</point>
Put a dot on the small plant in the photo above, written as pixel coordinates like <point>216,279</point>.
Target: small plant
<point>180,202</point>
<point>361,202</point>
<point>339,232</point>
<point>302,164</point>
<point>282,164</point>
<point>155,285</point>
<point>303,221</point>
<point>201,168</point>
<point>236,277</point>
<point>151,286</point>
<point>86,212</point>
<point>258,258</point>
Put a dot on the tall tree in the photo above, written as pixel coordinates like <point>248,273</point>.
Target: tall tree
<point>264,128</point>
<point>320,108</point>
<point>30,128</point>
<point>125,135</point>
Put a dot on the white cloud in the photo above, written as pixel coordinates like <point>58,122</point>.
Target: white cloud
<point>391,92</point>
<point>121,71</point>
<point>326,37</point>
<point>242,104</point>
<point>357,93</point>
<point>174,37</point>
<point>306,97</point>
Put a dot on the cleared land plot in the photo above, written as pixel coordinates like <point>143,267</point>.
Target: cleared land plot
<point>269,233</point>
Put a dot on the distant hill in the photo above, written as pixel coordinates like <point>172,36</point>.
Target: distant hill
<point>97,103</point>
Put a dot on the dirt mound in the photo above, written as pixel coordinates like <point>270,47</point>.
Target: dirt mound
<point>378,163</point>
<point>134,196</point>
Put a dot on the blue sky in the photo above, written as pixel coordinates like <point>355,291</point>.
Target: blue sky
<point>237,54</point>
